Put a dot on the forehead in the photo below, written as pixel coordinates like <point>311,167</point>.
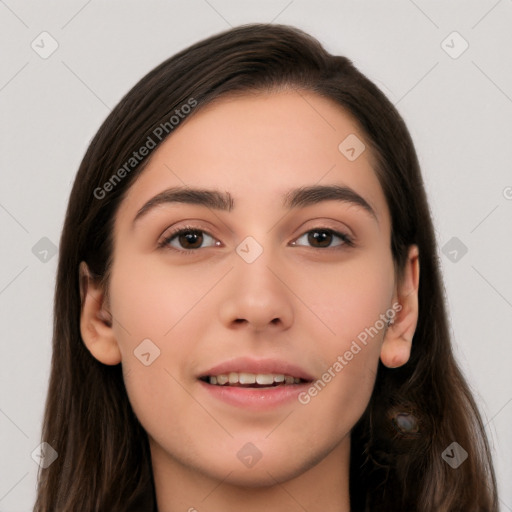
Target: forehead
<point>258,147</point>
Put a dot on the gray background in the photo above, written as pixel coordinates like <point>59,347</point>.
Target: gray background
<point>459,111</point>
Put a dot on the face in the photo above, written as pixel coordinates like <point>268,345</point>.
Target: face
<point>266,287</point>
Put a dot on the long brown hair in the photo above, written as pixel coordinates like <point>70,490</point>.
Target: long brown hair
<point>103,453</point>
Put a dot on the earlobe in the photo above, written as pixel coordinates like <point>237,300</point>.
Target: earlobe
<point>396,347</point>
<point>96,321</point>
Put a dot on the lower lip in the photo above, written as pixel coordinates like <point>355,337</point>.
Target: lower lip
<point>256,398</point>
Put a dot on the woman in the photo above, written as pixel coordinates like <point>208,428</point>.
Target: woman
<point>249,310</point>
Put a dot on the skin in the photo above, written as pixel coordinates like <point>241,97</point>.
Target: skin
<point>300,303</point>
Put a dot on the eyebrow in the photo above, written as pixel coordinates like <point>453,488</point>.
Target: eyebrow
<point>296,198</point>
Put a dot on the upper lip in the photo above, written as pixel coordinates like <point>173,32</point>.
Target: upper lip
<point>258,366</point>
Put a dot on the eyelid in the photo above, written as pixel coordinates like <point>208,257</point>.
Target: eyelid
<point>347,238</point>
<point>189,224</point>
<point>169,235</point>
<point>327,224</point>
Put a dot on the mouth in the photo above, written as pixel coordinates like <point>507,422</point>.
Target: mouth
<point>252,380</point>
<point>256,385</point>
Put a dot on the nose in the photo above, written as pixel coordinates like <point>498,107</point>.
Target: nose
<point>258,296</point>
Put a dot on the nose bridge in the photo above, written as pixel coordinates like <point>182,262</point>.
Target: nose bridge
<point>258,295</point>
<point>253,267</point>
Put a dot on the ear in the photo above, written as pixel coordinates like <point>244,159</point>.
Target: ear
<point>96,320</point>
<point>396,347</point>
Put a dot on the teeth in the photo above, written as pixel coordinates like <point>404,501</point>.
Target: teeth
<point>221,380</point>
<point>264,379</point>
<point>244,378</point>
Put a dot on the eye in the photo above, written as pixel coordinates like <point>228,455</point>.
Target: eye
<point>321,238</point>
<point>188,239</point>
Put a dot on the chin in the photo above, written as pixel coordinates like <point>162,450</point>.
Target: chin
<point>264,473</point>
<point>256,479</point>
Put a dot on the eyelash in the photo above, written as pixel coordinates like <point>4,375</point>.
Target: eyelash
<point>346,239</point>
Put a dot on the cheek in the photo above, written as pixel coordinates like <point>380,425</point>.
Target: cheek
<point>351,301</point>
<point>151,299</point>
<point>159,312</point>
<point>351,297</point>
<point>166,411</point>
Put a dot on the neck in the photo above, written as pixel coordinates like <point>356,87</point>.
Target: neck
<point>322,485</point>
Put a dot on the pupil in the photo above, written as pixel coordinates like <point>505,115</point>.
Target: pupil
<point>190,237</point>
<point>322,237</point>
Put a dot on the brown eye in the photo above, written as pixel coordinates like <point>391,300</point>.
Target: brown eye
<point>323,238</point>
<point>188,239</point>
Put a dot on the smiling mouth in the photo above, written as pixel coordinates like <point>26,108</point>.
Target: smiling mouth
<point>252,380</point>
